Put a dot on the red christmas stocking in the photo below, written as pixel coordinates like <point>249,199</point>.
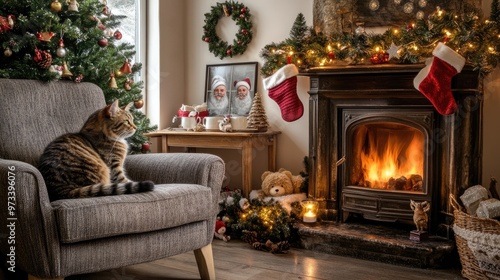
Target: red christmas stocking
<point>282,88</point>
<point>434,80</point>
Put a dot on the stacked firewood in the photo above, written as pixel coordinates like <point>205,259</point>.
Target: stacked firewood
<point>482,202</point>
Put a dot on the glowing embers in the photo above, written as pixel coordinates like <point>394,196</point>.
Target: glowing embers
<point>387,156</point>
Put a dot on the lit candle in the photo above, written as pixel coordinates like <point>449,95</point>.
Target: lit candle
<point>310,211</point>
<point>309,217</point>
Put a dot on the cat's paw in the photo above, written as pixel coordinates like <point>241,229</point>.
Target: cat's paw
<point>146,186</point>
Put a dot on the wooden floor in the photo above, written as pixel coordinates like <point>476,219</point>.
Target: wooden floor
<point>235,260</point>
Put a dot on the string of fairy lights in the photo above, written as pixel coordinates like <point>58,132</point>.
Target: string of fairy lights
<point>474,38</point>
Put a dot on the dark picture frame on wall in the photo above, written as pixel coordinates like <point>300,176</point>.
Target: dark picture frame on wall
<point>230,88</point>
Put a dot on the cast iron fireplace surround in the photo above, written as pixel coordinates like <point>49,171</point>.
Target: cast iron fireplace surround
<point>345,100</point>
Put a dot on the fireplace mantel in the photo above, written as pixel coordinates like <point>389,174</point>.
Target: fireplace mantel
<point>457,139</point>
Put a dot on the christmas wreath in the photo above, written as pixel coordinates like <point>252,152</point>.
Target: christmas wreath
<point>241,15</point>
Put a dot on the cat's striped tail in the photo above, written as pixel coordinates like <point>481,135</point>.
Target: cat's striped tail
<point>111,189</point>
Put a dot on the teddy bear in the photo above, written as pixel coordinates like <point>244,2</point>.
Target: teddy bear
<point>279,183</point>
<point>220,230</point>
<point>280,186</point>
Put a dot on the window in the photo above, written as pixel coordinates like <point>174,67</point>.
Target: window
<point>131,26</point>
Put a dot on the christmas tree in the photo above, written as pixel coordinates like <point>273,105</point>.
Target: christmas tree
<point>257,117</point>
<point>72,40</point>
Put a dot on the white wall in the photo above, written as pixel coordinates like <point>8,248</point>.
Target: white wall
<point>272,21</point>
<point>184,57</point>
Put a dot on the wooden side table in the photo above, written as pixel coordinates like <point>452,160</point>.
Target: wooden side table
<point>244,141</point>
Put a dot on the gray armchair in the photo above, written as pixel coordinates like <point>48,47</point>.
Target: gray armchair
<point>74,236</point>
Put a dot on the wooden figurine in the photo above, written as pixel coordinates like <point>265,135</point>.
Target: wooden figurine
<point>420,217</point>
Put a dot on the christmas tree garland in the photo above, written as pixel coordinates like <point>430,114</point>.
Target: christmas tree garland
<point>476,39</point>
<point>241,15</point>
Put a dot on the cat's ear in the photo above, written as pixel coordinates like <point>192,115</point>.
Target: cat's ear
<point>127,108</point>
<point>112,109</point>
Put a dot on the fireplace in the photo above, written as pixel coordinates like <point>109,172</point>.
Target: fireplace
<point>376,143</point>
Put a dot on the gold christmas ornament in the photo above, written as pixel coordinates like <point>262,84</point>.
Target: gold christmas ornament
<point>65,72</point>
<point>56,6</point>
<point>112,81</point>
<point>7,52</point>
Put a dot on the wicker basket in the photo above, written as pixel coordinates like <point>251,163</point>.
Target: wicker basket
<point>467,230</point>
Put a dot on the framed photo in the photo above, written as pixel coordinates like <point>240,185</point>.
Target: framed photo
<point>230,88</point>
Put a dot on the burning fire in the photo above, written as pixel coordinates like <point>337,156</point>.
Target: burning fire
<point>393,159</point>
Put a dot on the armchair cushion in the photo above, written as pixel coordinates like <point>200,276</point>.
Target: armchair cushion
<point>167,207</point>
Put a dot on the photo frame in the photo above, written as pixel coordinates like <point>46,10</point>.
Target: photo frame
<point>235,77</point>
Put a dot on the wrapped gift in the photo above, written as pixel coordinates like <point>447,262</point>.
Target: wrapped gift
<point>472,197</point>
<point>489,208</point>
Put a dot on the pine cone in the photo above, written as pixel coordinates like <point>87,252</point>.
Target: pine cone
<point>281,247</point>
<point>43,59</point>
<point>259,246</point>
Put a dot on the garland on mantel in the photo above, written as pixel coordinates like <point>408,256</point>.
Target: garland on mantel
<point>476,39</point>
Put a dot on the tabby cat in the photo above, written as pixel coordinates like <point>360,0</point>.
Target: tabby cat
<point>90,163</point>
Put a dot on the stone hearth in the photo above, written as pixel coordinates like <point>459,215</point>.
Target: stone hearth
<point>378,242</point>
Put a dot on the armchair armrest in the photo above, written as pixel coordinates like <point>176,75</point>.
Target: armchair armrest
<point>32,217</point>
<point>185,168</point>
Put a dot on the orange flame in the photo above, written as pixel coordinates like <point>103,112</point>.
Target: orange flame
<point>392,155</point>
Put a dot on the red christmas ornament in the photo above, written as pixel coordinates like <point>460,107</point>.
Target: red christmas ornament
<point>243,10</point>
<point>117,35</point>
<point>207,39</point>
<point>331,55</point>
<point>103,42</point>
<point>379,58</point>
<point>126,68</point>
<point>145,147</point>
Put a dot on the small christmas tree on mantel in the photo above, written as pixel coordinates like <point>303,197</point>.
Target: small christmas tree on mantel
<point>257,117</point>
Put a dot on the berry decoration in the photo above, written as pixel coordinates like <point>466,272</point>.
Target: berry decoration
<point>379,58</point>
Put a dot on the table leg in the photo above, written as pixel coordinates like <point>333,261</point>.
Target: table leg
<point>164,145</point>
<point>271,154</point>
<point>246,167</point>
